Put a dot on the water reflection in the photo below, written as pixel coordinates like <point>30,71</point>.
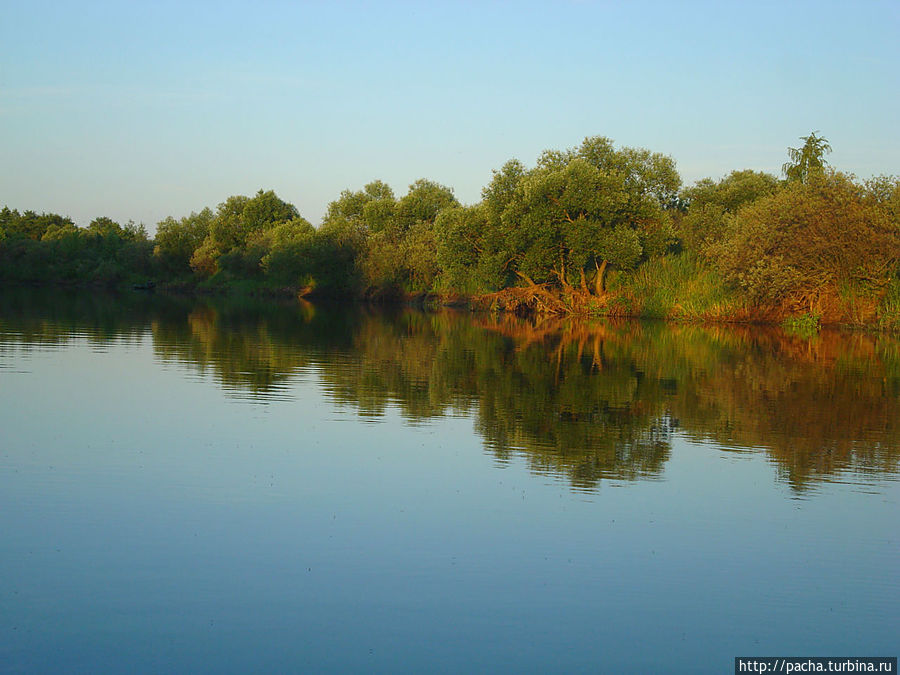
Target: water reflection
<point>586,400</point>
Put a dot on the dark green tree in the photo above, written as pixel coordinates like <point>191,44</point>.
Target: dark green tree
<point>176,240</point>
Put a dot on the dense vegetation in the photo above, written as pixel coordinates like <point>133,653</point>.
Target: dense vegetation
<point>593,229</point>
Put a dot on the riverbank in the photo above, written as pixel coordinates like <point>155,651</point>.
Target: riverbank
<point>681,288</point>
<point>677,288</point>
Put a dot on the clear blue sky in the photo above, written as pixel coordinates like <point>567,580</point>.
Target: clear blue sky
<point>143,110</point>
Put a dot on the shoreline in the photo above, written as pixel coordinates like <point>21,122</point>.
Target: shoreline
<point>514,301</point>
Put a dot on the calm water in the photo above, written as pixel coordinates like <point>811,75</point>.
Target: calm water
<point>199,486</point>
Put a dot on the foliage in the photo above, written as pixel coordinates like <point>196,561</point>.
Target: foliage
<point>395,248</point>
<point>889,308</point>
<point>103,253</point>
<point>29,224</point>
<point>594,229</point>
<point>176,240</point>
<point>807,161</point>
<point>566,220</point>
<point>681,286</point>
<point>422,203</point>
<point>809,237</point>
<point>235,242</point>
<point>710,203</point>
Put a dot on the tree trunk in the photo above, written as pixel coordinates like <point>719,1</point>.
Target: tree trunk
<point>526,278</point>
<point>584,287</point>
<point>562,272</point>
<point>600,281</point>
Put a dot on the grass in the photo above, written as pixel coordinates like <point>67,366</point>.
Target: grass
<point>678,287</point>
<point>889,307</point>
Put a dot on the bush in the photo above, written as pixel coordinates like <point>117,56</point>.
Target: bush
<point>808,239</point>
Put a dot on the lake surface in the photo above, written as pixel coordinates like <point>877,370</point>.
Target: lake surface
<point>210,486</point>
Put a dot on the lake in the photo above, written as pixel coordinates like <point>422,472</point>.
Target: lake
<point>208,485</point>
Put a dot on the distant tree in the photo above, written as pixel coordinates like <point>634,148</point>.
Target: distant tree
<point>238,235</point>
<point>176,240</point>
<point>391,242</point>
<point>62,231</point>
<point>412,235</point>
<point>371,208</point>
<point>422,203</point>
<point>105,227</point>
<point>288,260</point>
<point>731,192</point>
<point>808,160</point>
<point>135,231</point>
<point>29,224</point>
<point>470,257</point>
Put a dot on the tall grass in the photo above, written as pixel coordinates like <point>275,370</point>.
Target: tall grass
<point>889,307</point>
<point>679,287</point>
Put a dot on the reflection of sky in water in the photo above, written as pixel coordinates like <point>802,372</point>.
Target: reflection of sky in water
<point>154,521</point>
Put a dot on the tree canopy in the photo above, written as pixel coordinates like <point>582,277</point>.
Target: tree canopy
<point>808,160</point>
<point>596,227</point>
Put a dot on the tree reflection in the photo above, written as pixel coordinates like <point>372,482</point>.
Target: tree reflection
<point>588,401</point>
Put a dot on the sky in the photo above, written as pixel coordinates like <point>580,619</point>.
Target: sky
<point>142,110</point>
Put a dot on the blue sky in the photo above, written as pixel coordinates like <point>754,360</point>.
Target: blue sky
<point>139,111</point>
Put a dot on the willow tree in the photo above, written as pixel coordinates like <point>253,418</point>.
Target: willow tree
<point>580,211</point>
<point>808,160</point>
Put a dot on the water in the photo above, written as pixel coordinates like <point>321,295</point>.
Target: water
<point>205,486</point>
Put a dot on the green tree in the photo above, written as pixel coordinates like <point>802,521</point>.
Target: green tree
<point>372,207</point>
<point>29,224</point>
<point>105,227</point>
<point>710,203</point>
<point>238,235</point>
<point>576,213</point>
<point>808,160</point>
<point>288,260</point>
<point>422,203</point>
<point>394,242</point>
<point>176,240</point>
<point>468,254</point>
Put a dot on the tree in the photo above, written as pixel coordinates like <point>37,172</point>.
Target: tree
<point>288,259</point>
<point>575,214</point>
<point>709,203</point>
<point>176,240</point>
<point>422,203</point>
<point>470,255</point>
<point>808,160</point>
<point>105,227</point>
<point>237,239</point>
<point>808,240</point>
<point>370,207</point>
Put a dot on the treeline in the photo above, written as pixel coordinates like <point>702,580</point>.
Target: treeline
<point>50,247</point>
<point>593,229</point>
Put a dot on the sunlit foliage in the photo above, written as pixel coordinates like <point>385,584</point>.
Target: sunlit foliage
<point>594,229</point>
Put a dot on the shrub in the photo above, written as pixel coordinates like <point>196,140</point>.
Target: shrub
<point>790,247</point>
